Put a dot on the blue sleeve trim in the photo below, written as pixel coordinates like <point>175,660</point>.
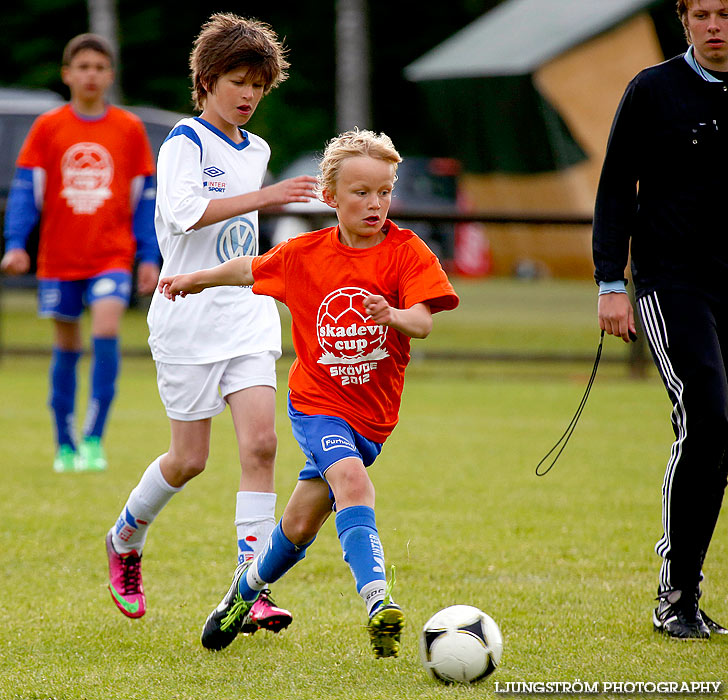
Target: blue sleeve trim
<point>143,223</point>
<point>189,132</point>
<point>21,213</point>
<point>618,287</point>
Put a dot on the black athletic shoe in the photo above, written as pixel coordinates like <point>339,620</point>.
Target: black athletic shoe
<point>712,625</point>
<point>385,630</point>
<point>226,620</point>
<point>386,623</point>
<point>678,616</point>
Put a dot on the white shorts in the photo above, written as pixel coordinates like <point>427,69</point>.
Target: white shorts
<point>195,392</point>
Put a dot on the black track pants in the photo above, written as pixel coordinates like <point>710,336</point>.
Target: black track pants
<point>688,337</point>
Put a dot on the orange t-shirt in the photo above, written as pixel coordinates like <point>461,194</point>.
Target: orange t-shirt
<point>346,365</point>
<point>86,211</point>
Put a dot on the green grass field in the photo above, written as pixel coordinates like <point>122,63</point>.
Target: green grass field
<point>563,563</point>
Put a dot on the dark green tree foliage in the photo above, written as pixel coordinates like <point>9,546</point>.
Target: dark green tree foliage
<point>155,40</point>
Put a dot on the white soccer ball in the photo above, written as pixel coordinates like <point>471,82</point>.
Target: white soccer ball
<point>460,644</point>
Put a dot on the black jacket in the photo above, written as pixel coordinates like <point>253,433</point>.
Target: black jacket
<point>670,135</point>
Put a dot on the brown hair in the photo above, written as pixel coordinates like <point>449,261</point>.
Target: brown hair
<point>682,9</point>
<point>350,144</point>
<point>227,42</point>
<point>87,41</point>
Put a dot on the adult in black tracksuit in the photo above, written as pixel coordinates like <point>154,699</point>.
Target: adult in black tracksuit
<point>663,187</point>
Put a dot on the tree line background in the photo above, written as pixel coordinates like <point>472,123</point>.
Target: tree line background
<point>155,39</point>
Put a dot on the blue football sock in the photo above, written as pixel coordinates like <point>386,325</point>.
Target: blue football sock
<point>62,399</point>
<point>104,370</point>
<point>363,552</point>
<point>278,556</point>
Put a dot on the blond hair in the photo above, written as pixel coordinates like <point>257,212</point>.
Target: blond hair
<point>349,145</point>
<point>227,42</point>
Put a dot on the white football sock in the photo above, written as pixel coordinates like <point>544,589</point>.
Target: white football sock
<point>255,518</point>
<point>145,503</point>
<point>373,594</point>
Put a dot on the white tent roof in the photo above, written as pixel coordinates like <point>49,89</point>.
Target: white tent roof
<point>518,36</point>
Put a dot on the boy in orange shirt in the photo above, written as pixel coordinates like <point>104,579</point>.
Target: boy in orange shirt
<point>357,293</point>
<point>86,170</point>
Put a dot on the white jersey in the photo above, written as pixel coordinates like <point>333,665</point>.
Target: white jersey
<point>198,163</point>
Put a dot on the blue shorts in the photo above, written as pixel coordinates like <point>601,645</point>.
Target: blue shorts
<point>326,440</point>
<point>66,299</point>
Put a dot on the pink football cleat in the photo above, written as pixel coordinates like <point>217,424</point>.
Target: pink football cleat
<point>125,580</point>
<point>266,615</point>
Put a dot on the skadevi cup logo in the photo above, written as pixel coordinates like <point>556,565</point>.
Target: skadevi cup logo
<point>345,333</point>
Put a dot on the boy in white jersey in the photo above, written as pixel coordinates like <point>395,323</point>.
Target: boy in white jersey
<point>222,350</point>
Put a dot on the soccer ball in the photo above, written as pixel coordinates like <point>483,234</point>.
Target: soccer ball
<point>460,644</point>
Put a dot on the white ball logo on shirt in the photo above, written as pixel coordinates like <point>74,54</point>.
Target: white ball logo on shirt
<point>344,330</point>
<point>236,238</point>
<point>87,170</point>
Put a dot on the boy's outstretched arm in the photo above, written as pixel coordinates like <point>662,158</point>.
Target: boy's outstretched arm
<point>295,189</point>
<point>235,273</point>
<point>415,322</point>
